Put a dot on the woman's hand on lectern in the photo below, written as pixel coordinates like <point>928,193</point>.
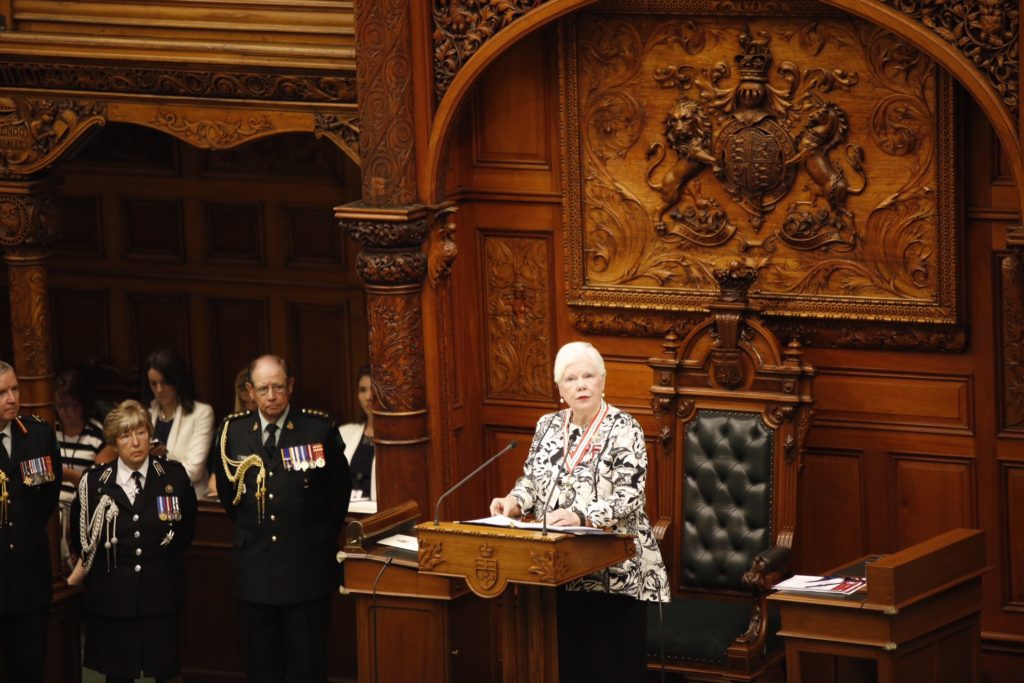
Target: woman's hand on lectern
<point>508,506</point>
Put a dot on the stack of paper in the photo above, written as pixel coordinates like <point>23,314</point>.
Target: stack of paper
<point>835,585</point>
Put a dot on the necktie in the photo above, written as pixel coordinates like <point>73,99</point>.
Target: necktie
<point>271,441</point>
<point>137,490</point>
<point>5,459</point>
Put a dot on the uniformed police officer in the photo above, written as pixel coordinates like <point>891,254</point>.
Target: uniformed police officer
<point>134,518</point>
<point>283,478</point>
<point>30,477</point>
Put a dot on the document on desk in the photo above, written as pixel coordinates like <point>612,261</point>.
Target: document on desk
<point>823,585</point>
<point>402,542</point>
<point>503,521</point>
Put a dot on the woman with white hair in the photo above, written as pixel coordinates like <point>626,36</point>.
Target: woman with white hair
<point>589,463</point>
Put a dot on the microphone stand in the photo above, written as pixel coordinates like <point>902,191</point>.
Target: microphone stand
<point>437,507</point>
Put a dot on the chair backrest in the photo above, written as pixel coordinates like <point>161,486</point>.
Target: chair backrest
<point>733,406</point>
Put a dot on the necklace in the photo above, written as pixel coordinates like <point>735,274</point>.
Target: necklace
<point>582,448</point>
<point>66,440</point>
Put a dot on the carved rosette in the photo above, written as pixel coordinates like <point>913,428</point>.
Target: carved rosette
<point>27,221</point>
<point>461,27</point>
<point>232,85</point>
<point>985,31</point>
<point>384,71</point>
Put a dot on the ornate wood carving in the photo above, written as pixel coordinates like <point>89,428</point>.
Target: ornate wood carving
<point>396,352</point>
<point>30,310</point>
<point>384,68</point>
<point>821,148</point>
<point>985,31</point>
<point>34,132</point>
<point>549,566</point>
<point>200,83</point>
<point>343,131</point>
<point>221,133</point>
<point>1011,298</point>
<point>517,288</point>
<point>462,26</point>
<point>442,250</point>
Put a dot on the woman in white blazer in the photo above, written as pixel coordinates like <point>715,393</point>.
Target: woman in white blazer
<point>183,425</point>
<point>358,439</point>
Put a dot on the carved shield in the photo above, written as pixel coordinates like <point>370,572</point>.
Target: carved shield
<point>752,160</point>
<point>487,572</point>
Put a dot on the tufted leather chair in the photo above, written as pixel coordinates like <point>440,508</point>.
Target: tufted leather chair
<point>733,408</point>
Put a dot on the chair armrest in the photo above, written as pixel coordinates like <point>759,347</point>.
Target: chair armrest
<point>766,569</point>
<point>775,559</point>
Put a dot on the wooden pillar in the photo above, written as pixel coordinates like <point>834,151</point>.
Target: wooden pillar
<point>391,227</point>
<point>28,224</point>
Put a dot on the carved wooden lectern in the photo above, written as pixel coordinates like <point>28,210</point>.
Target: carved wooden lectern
<point>489,558</point>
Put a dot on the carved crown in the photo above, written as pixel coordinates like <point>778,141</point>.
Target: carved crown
<point>753,64</point>
<point>734,281</point>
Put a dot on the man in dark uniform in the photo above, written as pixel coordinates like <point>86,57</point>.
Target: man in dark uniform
<point>284,480</point>
<point>30,477</point>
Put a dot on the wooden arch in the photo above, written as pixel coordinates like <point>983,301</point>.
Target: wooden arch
<point>872,11</point>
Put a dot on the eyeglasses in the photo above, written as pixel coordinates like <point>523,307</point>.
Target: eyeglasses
<point>276,388</point>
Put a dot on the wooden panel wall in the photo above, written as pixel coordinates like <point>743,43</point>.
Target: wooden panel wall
<point>220,255</point>
<point>906,444</point>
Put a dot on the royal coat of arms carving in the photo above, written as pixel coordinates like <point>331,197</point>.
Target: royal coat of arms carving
<point>815,146</point>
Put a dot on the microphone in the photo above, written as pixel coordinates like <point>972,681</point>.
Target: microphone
<point>437,507</point>
<point>544,511</point>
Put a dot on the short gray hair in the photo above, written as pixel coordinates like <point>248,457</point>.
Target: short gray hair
<point>574,352</point>
<point>126,417</point>
<point>5,367</point>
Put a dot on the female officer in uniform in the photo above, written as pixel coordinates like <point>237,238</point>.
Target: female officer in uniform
<point>135,518</point>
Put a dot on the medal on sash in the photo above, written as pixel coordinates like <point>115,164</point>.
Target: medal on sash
<point>303,458</point>
<point>37,471</point>
<point>584,448</point>
<point>168,508</point>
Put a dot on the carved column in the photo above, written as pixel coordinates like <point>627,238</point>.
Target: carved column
<point>28,224</point>
<point>393,264</point>
<point>391,227</point>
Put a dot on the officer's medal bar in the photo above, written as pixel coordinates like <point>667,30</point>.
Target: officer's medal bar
<point>37,471</point>
<point>303,457</point>
<point>168,508</point>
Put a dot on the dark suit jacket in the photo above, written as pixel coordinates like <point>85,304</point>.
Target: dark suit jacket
<point>152,582</point>
<point>25,572</point>
<point>290,556</point>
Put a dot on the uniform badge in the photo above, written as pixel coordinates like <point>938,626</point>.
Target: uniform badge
<point>169,489</point>
<point>168,508</point>
<point>37,471</point>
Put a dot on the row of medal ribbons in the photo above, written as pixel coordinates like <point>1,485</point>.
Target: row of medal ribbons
<point>37,471</point>
<point>303,457</point>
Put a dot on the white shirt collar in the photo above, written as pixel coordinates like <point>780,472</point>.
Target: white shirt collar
<point>10,435</point>
<point>281,421</point>
<point>124,473</point>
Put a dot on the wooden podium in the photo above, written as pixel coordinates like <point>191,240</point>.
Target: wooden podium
<point>527,564</point>
<point>918,621</point>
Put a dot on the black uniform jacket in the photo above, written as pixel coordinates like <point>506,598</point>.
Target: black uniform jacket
<point>289,556</point>
<point>148,576</point>
<point>25,573</point>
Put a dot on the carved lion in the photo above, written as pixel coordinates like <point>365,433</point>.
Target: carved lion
<point>827,128</point>
<point>688,133</point>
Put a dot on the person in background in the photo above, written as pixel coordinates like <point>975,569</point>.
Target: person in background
<point>358,439</point>
<point>588,465</point>
<point>182,425</point>
<point>243,403</point>
<point>80,439</point>
<point>135,518</point>
<point>283,480</point>
<point>30,478</point>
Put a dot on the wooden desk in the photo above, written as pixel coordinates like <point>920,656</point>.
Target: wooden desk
<point>918,621</point>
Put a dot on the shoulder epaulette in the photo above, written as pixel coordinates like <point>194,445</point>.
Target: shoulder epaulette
<point>235,416</point>
<point>23,421</point>
<point>158,467</point>
<point>316,413</point>
<point>39,419</point>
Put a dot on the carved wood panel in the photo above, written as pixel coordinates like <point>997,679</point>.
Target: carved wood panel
<point>153,229</point>
<point>517,289</point>
<point>231,351</point>
<point>320,340</point>
<point>234,233</point>
<point>158,321</point>
<point>313,237</point>
<point>82,320</point>
<point>1010,296</point>
<point>933,494</point>
<point>80,226</point>
<point>818,148</point>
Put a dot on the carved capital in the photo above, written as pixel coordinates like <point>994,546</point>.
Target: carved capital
<point>34,131</point>
<point>380,228</point>
<point>29,217</point>
<point>391,267</point>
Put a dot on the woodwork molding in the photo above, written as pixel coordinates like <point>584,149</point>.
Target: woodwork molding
<point>343,131</point>
<point>442,248</point>
<point>385,95</point>
<point>517,289</point>
<point>1011,495</point>
<point>29,217</point>
<point>986,32</point>
<point>827,212</point>
<point>461,27</point>
<point>106,80</point>
<point>936,493</point>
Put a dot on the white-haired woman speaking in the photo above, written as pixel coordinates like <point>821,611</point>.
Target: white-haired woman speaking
<point>593,455</point>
